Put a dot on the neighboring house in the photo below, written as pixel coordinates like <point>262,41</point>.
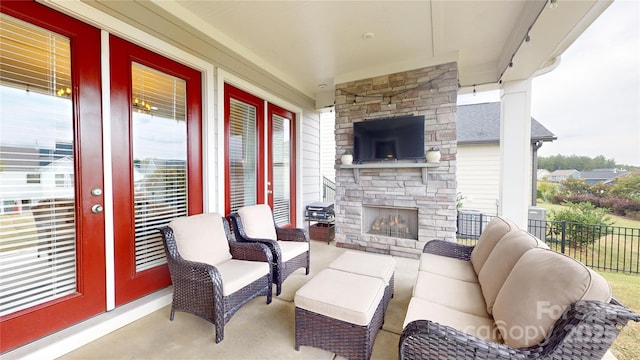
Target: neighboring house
<point>605,176</point>
<point>479,154</point>
<point>542,174</point>
<point>562,175</point>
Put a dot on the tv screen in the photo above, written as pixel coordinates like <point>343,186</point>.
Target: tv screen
<point>394,138</point>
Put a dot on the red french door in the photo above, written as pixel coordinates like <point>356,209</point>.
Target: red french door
<point>156,132</point>
<point>281,167</point>
<point>244,144</point>
<point>52,254</point>
<point>255,141</point>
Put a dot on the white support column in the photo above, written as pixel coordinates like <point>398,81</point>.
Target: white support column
<point>515,151</point>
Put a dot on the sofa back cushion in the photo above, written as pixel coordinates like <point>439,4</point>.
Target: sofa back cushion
<point>492,233</point>
<point>540,287</point>
<point>501,261</point>
<point>201,238</point>
<point>257,221</point>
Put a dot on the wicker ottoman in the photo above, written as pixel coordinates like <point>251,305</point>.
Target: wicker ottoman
<point>340,312</point>
<point>376,265</point>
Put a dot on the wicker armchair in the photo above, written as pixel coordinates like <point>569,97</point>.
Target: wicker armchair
<point>585,330</point>
<point>199,249</point>
<point>289,246</point>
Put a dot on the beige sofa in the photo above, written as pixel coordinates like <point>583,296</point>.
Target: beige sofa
<point>508,297</point>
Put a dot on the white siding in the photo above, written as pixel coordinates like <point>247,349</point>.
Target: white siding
<point>328,147</point>
<point>479,177</point>
<point>310,163</point>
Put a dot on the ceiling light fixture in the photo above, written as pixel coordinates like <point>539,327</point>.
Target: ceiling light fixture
<point>322,86</point>
<point>553,4</point>
<point>368,36</point>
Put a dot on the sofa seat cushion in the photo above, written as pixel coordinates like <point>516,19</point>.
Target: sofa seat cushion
<point>492,233</point>
<point>446,266</point>
<point>502,260</point>
<point>237,274</point>
<point>291,249</point>
<point>358,262</point>
<point>201,238</point>
<point>540,287</point>
<point>345,296</point>
<point>479,326</point>
<point>459,295</point>
<point>257,221</point>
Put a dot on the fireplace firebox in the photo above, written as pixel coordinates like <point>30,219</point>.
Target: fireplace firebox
<point>390,221</point>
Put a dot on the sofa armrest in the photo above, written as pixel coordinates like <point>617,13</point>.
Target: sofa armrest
<point>585,330</point>
<point>424,339</point>
<point>292,234</point>
<point>449,249</point>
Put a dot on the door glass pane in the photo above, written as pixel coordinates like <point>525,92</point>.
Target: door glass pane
<point>37,167</point>
<point>281,169</point>
<point>242,154</point>
<point>159,133</point>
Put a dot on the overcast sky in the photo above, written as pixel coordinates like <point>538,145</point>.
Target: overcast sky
<point>591,101</point>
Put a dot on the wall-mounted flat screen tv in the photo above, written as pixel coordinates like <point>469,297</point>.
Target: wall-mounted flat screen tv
<point>395,138</point>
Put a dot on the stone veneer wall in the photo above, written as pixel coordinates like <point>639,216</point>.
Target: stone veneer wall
<point>432,92</point>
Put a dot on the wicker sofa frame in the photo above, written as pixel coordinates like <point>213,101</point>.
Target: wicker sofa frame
<point>197,287</point>
<point>280,270</point>
<point>586,329</point>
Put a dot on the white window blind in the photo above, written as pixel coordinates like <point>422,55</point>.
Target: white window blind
<point>37,221</point>
<point>281,169</point>
<point>242,154</point>
<point>159,159</point>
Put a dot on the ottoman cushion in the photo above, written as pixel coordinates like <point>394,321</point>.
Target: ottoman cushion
<point>348,297</point>
<point>376,265</point>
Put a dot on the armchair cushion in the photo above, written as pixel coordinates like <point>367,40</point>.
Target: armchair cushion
<point>257,221</point>
<point>502,260</point>
<point>541,286</point>
<point>237,274</point>
<point>291,249</point>
<point>490,236</point>
<point>201,238</point>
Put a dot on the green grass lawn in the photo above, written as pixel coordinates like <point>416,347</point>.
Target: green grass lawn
<point>626,288</point>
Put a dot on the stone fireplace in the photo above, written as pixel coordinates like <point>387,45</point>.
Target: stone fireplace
<point>395,207</point>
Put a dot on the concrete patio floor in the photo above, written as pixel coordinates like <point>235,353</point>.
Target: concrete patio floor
<point>256,331</point>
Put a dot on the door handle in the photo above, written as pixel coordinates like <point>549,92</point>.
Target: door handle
<point>97,208</point>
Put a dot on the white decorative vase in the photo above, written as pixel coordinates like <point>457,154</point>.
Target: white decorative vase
<point>433,156</point>
<point>346,159</point>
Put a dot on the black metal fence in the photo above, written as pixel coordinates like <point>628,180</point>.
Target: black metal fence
<point>328,190</point>
<point>610,248</point>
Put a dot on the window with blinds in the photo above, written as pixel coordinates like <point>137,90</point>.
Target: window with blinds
<point>159,133</point>
<point>242,154</point>
<point>281,169</point>
<point>37,219</point>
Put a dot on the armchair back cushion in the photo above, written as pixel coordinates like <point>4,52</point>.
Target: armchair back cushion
<point>495,230</point>
<point>257,221</point>
<point>502,260</point>
<point>541,286</point>
<point>201,238</point>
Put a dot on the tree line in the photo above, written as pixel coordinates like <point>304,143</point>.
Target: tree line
<point>580,163</point>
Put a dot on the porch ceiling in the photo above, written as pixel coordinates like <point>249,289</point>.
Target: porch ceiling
<point>308,43</point>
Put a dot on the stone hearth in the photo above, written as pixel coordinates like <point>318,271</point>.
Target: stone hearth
<point>431,92</point>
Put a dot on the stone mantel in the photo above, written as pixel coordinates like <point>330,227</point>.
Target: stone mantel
<point>390,165</point>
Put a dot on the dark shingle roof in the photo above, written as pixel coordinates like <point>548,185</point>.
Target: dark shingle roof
<point>480,124</point>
